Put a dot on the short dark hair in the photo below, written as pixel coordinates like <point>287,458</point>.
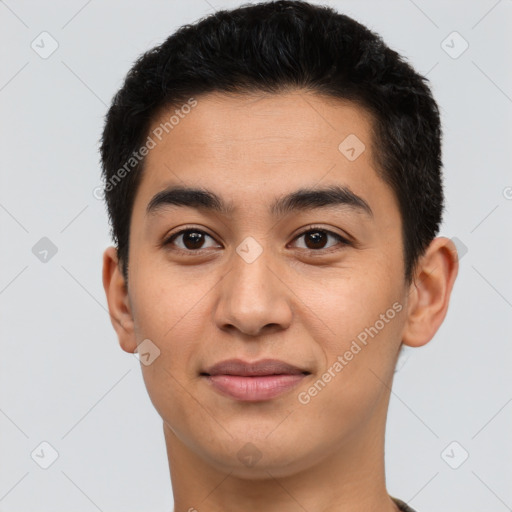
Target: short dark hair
<point>274,47</point>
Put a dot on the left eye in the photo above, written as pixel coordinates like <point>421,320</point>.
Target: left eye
<point>316,239</point>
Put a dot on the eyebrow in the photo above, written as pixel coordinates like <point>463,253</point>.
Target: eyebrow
<point>301,200</point>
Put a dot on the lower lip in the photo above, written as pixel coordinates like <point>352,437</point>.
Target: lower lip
<point>253,389</point>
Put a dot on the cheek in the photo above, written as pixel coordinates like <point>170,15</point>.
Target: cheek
<point>369,319</point>
<point>166,302</point>
<point>350,306</point>
<point>365,315</point>
<point>170,311</point>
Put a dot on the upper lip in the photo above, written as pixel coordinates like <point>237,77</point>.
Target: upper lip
<point>257,368</point>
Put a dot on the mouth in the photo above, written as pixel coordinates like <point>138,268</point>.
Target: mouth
<point>253,382</point>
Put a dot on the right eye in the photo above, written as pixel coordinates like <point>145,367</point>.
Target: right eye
<point>188,240</point>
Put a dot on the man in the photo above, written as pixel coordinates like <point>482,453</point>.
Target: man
<point>273,180</point>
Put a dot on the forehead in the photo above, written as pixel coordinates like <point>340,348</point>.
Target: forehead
<point>254,147</point>
<point>279,123</point>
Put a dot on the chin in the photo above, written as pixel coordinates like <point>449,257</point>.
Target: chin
<point>257,458</point>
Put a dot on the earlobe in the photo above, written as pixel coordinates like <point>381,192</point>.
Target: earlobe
<point>429,293</point>
<point>118,300</point>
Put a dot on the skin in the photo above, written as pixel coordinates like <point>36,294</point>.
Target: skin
<point>302,306</point>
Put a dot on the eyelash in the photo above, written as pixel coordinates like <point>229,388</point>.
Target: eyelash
<point>311,229</point>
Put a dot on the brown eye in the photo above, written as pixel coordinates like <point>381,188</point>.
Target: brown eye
<point>317,239</point>
<point>189,239</point>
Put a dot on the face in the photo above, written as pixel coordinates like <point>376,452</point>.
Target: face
<point>305,268</point>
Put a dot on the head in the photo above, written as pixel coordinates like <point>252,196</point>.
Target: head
<point>271,48</point>
<point>303,156</point>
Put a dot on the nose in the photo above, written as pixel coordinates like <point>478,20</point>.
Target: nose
<point>253,297</point>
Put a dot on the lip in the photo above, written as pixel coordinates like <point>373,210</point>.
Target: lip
<point>256,381</point>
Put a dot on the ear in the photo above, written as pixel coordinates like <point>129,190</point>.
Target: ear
<point>429,292</point>
<point>118,300</point>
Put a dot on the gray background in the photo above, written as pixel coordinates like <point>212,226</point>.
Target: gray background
<point>63,378</point>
